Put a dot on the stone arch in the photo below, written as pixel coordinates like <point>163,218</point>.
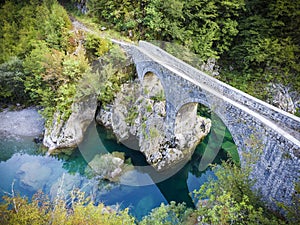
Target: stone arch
<point>153,87</point>
<point>187,111</point>
<point>185,117</point>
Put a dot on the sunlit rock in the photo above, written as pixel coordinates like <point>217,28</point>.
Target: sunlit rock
<point>283,97</point>
<point>65,134</point>
<point>108,166</point>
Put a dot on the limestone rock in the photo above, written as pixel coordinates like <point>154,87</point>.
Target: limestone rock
<point>140,111</point>
<point>283,98</point>
<point>64,134</point>
<point>108,166</point>
<point>103,117</point>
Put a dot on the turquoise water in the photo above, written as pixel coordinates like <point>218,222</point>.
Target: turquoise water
<point>141,190</point>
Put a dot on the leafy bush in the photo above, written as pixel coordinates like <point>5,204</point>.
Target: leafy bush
<point>40,210</point>
<point>96,46</point>
<point>11,82</point>
<point>52,78</point>
<point>168,215</point>
<point>230,200</point>
<point>114,70</point>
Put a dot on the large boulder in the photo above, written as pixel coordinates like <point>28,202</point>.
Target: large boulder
<point>140,111</point>
<point>66,134</point>
<point>108,166</point>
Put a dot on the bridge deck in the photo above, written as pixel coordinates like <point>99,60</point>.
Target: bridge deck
<point>198,78</point>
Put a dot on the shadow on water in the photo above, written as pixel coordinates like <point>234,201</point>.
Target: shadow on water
<point>173,188</point>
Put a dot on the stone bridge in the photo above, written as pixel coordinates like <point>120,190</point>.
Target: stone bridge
<point>260,130</point>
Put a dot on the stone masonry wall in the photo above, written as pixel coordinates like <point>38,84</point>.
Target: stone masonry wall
<point>261,131</point>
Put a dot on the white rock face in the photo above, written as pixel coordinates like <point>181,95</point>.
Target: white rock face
<point>283,98</point>
<point>64,134</point>
<point>141,112</point>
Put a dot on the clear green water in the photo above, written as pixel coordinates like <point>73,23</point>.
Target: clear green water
<point>22,165</point>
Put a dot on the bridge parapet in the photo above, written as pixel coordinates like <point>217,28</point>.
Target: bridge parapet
<point>286,120</point>
<point>254,124</point>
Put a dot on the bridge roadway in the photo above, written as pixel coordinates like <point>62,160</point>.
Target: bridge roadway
<point>290,130</point>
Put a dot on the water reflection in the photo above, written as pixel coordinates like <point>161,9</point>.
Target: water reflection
<point>61,174</point>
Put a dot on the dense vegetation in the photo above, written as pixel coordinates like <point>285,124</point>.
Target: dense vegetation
<point>47,62</point>
<point>255,42</point>
<point>36,39</point>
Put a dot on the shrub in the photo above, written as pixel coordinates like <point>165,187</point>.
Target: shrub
<point>40,210</point>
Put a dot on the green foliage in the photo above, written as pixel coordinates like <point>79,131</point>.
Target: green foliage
<point>37,32</point>
<point>256,42</point>
<point>167,215</point>
<point>293,210</point>
<point>206,27</point>
<point>266,48</point>
<point>17,210</point>
<point>96,46</point>
<point>22,24</point>
<point>52,78</point>
<point>160,96</point>
<point>132,115</point>
<point>230,200</point>
<point>11,86</point>
<point>113,71</point>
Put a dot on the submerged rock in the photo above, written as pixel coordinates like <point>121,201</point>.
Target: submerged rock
<point>65,134</point>
<point>108,166</point>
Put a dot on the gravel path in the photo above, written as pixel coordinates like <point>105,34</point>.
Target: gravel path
<point>26,122</point>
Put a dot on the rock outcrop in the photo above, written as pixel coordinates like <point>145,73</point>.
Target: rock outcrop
<point>108,166</point>
<point>140,112</point>
<point>283,98</point>
<point>65,134</point>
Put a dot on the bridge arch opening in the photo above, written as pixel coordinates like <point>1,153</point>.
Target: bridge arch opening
<point>152,87</point>
<point>214,141</point>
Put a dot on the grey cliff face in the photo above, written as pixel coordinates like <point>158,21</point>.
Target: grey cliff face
<point>65,134</point>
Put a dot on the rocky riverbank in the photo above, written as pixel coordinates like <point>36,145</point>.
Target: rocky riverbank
<point>26,122</point>
<point>69,133</point>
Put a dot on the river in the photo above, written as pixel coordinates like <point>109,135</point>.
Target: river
<point>23,166</point>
